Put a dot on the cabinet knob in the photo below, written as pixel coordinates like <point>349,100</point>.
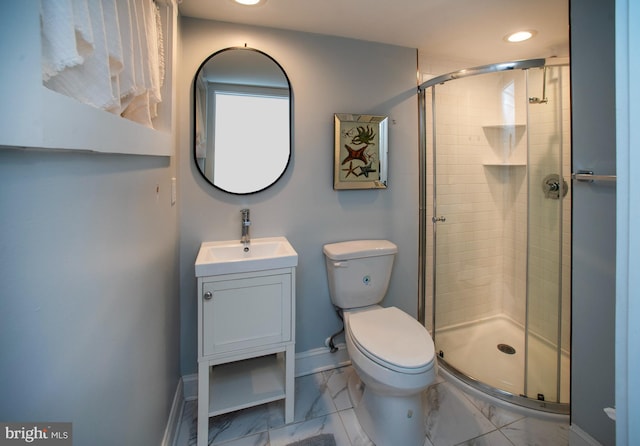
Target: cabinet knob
<point>208,295</point>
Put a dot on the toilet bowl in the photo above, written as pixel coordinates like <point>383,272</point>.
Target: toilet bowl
<point>391,352</point>
<point>393,357</point>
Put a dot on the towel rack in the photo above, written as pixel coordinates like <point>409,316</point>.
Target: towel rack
<point>587,176</point>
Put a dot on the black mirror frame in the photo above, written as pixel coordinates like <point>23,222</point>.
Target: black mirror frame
<point>194,130</point>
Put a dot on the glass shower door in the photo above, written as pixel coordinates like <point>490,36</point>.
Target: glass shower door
<point>548,285</point>
<point>479,226</point>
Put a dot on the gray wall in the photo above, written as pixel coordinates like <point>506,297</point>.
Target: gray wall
<point>328,75</point>
<point>88,294</point>
<point>594,210</point>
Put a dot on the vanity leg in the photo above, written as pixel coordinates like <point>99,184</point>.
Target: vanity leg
<point>203,403</point>
<point>289,383</point>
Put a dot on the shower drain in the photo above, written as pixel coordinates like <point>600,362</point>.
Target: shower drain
<point>506,348</point>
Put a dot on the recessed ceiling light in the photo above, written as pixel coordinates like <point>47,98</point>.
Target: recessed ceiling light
<point>519,36</point>
<point>249,2</point>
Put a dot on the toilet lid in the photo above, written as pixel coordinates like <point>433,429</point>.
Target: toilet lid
<point>391,336</point>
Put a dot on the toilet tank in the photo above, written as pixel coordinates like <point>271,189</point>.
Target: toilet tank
<point>359,271</point>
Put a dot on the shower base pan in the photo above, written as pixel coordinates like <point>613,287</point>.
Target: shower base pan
<point>489,354</point>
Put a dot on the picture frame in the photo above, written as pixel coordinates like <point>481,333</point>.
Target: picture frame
<point>361,149</point>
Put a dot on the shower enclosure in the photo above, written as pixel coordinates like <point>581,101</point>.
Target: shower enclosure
<point>495,211</point>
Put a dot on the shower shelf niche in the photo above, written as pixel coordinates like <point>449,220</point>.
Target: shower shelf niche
<point>504,127</point>
<point>504,164</point>
<point>505,141</point>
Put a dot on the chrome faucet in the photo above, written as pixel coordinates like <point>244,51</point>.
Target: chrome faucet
<point>246,238</point>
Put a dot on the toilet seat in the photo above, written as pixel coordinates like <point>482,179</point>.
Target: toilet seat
<point>393,339</point>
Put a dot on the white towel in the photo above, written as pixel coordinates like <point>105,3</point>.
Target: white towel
<point>132,102</point>
<point>152,80</point>
<point>157,62</point>
<point>105,53</point>
<point>59,49</point>
<point>138,38</point>
<point>147,66</point>
<point>127,75</point>
<point>138,110</point>
<point>84,31</point>
<point>160,40</point>
<point>110,18</point>
<point>90,82</point>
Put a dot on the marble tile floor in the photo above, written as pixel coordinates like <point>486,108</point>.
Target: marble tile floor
<point>322,406</point>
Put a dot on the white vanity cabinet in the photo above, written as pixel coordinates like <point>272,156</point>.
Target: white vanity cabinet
<point>246,342</point>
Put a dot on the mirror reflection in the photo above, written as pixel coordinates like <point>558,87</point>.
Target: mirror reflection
<point>242,120</point>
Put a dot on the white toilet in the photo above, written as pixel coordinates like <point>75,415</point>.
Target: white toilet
<point>391,352</point>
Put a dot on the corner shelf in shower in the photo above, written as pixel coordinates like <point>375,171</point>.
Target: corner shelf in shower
<point>504,126</point>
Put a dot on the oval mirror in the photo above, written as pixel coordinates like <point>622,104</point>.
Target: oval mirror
<point>242,120</point>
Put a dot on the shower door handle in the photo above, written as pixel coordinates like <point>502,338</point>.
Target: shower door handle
<point>588,176</point>
<point>436,219</point>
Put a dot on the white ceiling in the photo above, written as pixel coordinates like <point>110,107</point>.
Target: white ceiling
<point>461,30</point>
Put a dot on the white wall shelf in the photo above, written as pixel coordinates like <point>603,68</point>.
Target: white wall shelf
<point>35,117</point>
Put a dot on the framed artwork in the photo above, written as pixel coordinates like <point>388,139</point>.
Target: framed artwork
<point>361,146</point>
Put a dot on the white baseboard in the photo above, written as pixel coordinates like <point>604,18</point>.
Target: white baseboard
<point>175,415</point>
<point>578,437</point>
<point>308,362</point>
<point>190,383</point>
<point>319,359</point>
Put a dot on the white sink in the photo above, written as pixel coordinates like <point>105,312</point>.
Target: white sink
<point>229,256</point>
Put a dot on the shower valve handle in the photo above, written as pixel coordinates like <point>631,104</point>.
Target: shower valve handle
<point>436,219</point>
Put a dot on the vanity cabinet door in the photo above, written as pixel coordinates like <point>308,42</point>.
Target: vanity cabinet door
<point>245,313</point>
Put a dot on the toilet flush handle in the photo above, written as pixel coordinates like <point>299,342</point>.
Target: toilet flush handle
<point>340,264</point>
